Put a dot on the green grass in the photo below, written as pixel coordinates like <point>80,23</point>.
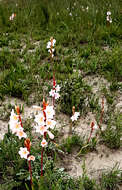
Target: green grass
<point>113,133</point>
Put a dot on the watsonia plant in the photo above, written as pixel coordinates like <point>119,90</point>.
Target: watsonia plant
<point>56,88</point>
<point>16,128</point>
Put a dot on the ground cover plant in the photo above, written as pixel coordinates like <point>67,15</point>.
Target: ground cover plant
<point>60,67</point>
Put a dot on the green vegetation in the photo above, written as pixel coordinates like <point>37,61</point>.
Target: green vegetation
<point>86,45</point>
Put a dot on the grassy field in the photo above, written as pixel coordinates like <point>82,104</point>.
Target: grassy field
<point>88,51</point>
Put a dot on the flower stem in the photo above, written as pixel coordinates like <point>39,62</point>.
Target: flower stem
<point>102,112</point>
<point>30,171</point>
<point>42,161</point>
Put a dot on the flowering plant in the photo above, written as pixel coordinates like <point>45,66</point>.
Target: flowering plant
<point>50,46</point>
<point>44,122</point>
<point>108,18</point>
<point>16,128</point>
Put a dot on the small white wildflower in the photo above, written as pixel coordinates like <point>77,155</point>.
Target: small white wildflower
<point>44,143</point>
<point>57,95</point>
<point>50,123</point>
<point>52,93</point>
<point>49,112</point>
<point>41,129</point>
<point>75,116</point>
<point>21,134</point>
<point>39,119</point>
<point>23,152</point>
<point>95,126</point>
<point>50,135</point>
<point>57,88</point>
<point>15,126</point>
<point>108,13</point>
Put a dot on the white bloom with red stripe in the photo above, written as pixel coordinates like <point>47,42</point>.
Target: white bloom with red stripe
<point>23,152</point>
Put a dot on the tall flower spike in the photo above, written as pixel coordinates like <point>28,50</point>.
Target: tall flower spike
<point>108,18</point>
<point>50,46</point>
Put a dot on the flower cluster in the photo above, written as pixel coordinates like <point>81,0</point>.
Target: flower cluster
<point>50,46</point>
<point>12,16</point>
<point>55,92</point>
<point>15,125</point>
<point>16,128</point>
<point>108,18</point>
<point>44,122</point>
<point>75,116</point>
<point>25,153</point>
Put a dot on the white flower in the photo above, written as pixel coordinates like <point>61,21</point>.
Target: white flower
<point>52,93</point>
<point>51,43</point>
<point>31,157</point>
<point>15,126</point>
<point>39,119</point>
<point>41,129</point>
<point>54,41</point>
<point>110,20</point>
<point>50,123</point>
<point>57,88</point>
<point>23,152</point>
<point>50,135</point>
<point>75,116</point>
<point>70,14</point>
<point>12,16</point>
<point>95,126</point>
<point>52,55</point>
<point>49,112</point>
<point>14,117</point>
<point>51,50</point>
<point>44,143</point>
<point>21,134</point>
<point>108,13</point>
<point>48,45</point>
<point>57,95</point>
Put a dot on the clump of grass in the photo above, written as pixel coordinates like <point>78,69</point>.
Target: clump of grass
<point>74,92</point>
<point>71,142</point>
<point>111,179</point>
<point>111,137</point>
